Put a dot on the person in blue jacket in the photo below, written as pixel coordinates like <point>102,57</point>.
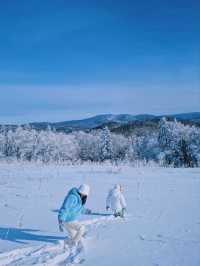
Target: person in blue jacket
<point>70,212</point>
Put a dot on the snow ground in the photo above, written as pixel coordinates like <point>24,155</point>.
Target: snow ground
<point>162,227</point>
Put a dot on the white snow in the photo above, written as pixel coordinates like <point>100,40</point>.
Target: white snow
<point>162,227</point>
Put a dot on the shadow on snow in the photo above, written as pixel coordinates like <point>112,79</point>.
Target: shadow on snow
<point>19,235</point>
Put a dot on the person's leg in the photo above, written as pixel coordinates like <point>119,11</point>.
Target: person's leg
<point>79,229</point>
<point>123,213</point>
<point>71,233</point>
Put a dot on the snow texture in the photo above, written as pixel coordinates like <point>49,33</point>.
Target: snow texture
<point>161,228</point>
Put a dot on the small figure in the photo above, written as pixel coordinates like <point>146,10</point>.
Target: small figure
<point>116,201</point>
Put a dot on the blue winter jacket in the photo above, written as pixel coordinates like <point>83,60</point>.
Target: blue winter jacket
<point>72,207</point>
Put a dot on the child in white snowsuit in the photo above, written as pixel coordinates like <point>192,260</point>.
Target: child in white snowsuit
<point>116,201</point>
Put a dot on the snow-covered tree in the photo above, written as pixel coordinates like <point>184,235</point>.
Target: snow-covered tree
<point>121,148</point>
<point>89,146</point>
<point>165,136</point>
<point>146,147</point>
<point>106,145</point>
<point>179,143</point>
<point>175,144</point>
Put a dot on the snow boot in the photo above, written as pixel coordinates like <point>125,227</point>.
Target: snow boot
<point>119,214</point>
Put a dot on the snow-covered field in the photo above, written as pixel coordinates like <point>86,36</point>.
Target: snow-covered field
<point>162,226</point>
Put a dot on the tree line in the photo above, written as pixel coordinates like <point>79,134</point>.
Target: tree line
<point>174,144</point>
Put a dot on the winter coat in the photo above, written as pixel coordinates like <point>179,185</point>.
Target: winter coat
<point>115,200</point>
<point>72,207</point>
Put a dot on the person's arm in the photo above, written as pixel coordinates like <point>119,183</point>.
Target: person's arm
<point>86,211</point>
<point>60,225</point>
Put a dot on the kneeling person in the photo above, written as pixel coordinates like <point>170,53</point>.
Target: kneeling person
<point>70,212</point>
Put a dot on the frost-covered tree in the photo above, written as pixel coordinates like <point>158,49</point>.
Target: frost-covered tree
<point>165,136</point>
<point>89,146</point>
<point>106,145</point>
<point>179,144</point>
<point>121,148</point>
<point>8,148</point>
<point>175,144</point>
<point>146,147</point>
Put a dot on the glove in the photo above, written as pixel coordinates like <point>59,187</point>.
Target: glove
<point>107,208</point>
<point>60,224</point>
<point>88,211</point>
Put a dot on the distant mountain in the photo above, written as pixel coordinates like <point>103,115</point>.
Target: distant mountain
<point>94,122</point>
<point>195,116</point>
<point>114,121</point>
<point>99,120</point>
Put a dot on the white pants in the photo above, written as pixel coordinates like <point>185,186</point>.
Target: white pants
<point>75,230</point>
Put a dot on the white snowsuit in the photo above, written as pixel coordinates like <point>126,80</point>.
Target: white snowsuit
<point>115,200</point>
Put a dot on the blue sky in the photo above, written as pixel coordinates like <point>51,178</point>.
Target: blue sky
<point>63,60</point>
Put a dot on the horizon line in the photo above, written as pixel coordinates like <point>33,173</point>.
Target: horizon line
<point>100,114</point>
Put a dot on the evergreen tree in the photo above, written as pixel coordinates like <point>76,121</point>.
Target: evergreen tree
<point>106,145</point>
<point>165,134</point>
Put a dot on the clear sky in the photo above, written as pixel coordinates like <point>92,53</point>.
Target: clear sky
<point>62,60</point>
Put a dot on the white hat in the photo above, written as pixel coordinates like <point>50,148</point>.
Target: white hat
<point>84,189</point>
